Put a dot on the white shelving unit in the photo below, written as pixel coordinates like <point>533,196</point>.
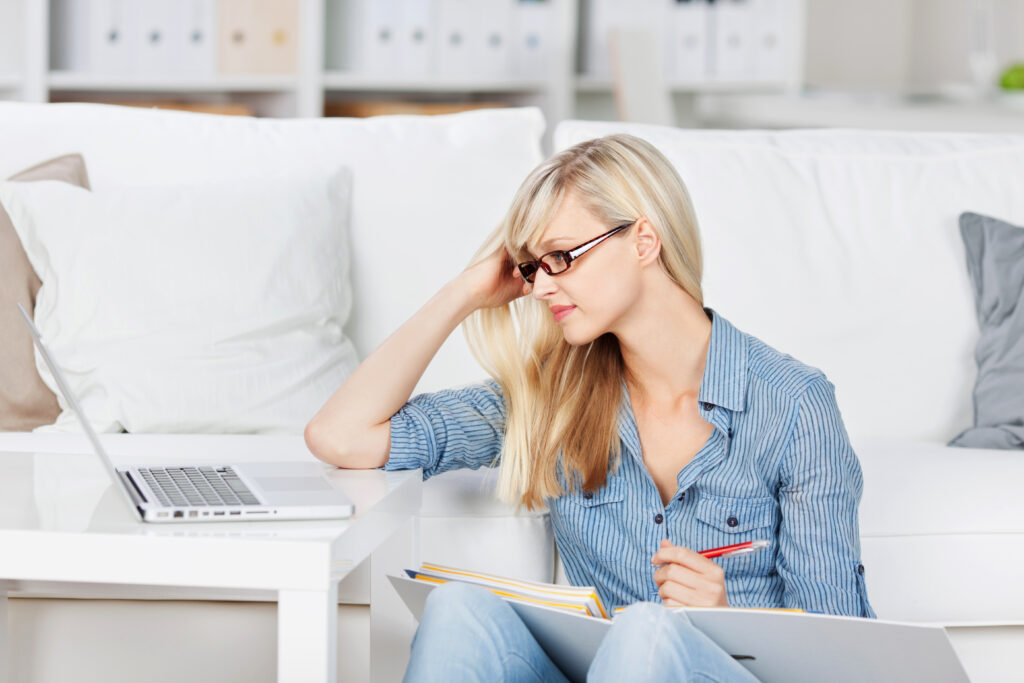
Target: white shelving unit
<point>303,93</point>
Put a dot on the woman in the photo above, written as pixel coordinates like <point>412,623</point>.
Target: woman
<point>649,426</point>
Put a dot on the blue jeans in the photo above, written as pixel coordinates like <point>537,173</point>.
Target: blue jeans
<point>469,634</point>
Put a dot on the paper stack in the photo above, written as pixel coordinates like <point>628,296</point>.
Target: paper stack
<point>576,599</point>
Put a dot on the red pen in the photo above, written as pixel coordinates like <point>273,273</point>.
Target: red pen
<point>737,549</point>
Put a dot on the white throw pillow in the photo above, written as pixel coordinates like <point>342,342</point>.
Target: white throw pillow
<point>205,308</point>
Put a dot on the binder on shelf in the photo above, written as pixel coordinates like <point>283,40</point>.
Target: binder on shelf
<point>687,41</point>
<point>193,41</point>
<point>257,36</point>
<point>111,48</point>
<point>774,645</point>
<point>533,32</point>
<point>150,26</point>
<point>457,30</point>
<point>491,39</point>
<point>733,54</point>
<point>416,38</point>
<point>378,51</point>
<point>773,40</point>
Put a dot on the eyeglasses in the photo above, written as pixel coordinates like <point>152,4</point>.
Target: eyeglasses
<point>557,262</point>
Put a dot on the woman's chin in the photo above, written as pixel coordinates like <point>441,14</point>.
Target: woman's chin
<point>576,337</point>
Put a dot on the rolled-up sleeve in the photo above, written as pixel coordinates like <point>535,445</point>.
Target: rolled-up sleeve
<point>449,429</point>
<point>819,540</point>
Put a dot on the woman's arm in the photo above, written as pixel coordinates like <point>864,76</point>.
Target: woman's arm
<point>819,538</point>
<point>352,429</point>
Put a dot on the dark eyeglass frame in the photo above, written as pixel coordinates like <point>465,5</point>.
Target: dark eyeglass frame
<point>528,269</point>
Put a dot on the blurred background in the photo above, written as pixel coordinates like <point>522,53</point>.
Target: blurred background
<point>905,64</point>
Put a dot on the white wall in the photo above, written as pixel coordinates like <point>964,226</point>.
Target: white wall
<point>902,45</point>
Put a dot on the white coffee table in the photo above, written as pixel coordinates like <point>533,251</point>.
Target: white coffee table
<point>61,521</point>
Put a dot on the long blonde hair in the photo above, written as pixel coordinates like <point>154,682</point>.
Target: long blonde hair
<point>563,401</point>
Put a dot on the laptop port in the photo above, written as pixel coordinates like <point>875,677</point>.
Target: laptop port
<point>161,514</point>
<point>193,513</point>
<point>236,512</point>
<point>218,514</point>
<point>178,513</point>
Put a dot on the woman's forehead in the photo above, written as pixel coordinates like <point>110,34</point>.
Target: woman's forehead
<point>569,224</point>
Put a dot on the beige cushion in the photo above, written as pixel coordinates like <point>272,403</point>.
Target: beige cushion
<point>25,402</point>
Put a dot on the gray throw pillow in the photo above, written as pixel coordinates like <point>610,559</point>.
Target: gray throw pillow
<point>995,262</point>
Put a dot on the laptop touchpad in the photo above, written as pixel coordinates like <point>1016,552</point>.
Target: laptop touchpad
<point>282,484</point>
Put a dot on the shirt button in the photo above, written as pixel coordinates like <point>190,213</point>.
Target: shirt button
<point>860,569</point>
<point>658,519</point>
<point>588,495</point>
<point>732,521</point>
<point>706,406</point>
<point>682,496</point>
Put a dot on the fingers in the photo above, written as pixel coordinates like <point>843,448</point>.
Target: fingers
<point>675,595</point>
<point>687,577</point>
<point>682,555</point>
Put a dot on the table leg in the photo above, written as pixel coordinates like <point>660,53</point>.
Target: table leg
<point>307,636</point>
<point>5,636</point>
<point>392,626</point>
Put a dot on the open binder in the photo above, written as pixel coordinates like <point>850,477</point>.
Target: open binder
<point>786,646</point>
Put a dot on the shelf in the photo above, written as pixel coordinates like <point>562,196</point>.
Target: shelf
<point>850,110</point>
<point>339,80</point>
<point>596,85</point>
<point>76,81</point>
<point>10,81</point>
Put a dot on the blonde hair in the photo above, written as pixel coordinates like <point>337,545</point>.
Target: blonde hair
<point>563,401</point>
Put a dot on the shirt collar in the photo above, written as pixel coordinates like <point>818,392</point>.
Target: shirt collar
<point>725,370</point>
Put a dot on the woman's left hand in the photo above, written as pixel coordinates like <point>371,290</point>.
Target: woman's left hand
<point>687,578</point>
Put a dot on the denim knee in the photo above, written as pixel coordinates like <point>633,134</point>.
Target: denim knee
<point>646,618</point>
<point>453,601</point>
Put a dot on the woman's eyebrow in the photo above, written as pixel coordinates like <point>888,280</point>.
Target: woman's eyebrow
<point>549,242</point>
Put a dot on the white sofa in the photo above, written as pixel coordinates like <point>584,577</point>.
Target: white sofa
<point>839,247</point>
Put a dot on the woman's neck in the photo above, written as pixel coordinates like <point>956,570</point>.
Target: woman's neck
<point>664,347</point>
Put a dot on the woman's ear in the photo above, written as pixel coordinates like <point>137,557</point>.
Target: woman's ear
<point>646,242</point>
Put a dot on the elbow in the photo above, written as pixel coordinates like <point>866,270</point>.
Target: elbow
<point>321,444</point>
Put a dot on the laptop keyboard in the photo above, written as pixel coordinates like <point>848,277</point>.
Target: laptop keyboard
<point>197,486</point>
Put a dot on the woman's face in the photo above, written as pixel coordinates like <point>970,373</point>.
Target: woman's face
<point>597,291</point>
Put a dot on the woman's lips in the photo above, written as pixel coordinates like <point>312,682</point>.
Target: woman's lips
<point>561,311</point>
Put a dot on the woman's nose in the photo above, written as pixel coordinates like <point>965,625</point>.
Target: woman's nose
<point>543,284</point>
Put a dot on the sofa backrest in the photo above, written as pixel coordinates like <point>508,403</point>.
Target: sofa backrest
<point>426,190</point>
<point>842,248</point>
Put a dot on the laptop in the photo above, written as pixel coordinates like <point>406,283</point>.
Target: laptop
<point>241,492</point>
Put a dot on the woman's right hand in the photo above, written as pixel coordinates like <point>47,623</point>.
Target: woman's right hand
<point>495,281</point>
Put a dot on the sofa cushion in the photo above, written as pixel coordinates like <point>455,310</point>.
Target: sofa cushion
<point>995,262</point>
<point>426,191</point>
<point>193,308</point>
<point>841,248</point>
<point>942,531</point>
<point>25,401</point>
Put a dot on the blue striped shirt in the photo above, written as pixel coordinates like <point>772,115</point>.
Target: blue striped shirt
<point>778,465</point>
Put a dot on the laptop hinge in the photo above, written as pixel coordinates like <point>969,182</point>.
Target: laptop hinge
<point>133,489</point>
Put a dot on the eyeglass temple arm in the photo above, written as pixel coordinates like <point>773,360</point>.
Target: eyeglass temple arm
<point>581,250</point>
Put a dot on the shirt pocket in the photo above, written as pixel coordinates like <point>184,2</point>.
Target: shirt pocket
<point>594,521</point>
<point>722,521</point>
